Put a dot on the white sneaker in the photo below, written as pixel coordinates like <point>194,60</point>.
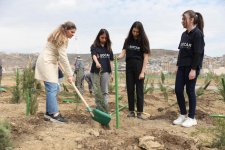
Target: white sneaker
<point>189,122</point>
<point>179,120</point>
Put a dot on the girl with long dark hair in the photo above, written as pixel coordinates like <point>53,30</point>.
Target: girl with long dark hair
<point>101,69</point>
<point>136,48</point>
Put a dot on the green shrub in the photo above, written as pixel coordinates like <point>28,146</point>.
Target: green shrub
<point>31,89</point>
<point>219,141</point>
<point>5,138</point>
<point>163,88</point>
<point>16,93</point>
<point>148,89</point>
<point>111,87</point>
<point>200,91</point>
<point>221,88</point>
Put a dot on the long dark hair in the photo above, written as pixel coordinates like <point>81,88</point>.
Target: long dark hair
<point>198,19</point>
<point>142,38</point>
<point>108,41</point>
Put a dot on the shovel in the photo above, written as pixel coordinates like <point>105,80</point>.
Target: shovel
<point>97,115</point>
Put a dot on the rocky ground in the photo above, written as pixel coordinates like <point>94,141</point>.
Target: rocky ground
<point>155,132</point>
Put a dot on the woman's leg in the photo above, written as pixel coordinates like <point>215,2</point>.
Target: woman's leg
<point>139,87</point>
<point>97,91</point>
<point>190,88</point>
<point>51,97</point>
<point>179,89</point>
<point>130,81</point>
<point>104,82</point>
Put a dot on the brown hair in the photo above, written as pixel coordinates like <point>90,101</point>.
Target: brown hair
<point>198,19</point>
<point>108,41</point>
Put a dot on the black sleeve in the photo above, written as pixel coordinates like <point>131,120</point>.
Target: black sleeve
<point>93,51</point>
<point>178,58</point>
<point>182,38</point>
<point>198,50</point>
<point>124,44</point>
<point>111,56</point>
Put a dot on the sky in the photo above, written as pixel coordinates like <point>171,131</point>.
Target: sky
<point>26,24</point>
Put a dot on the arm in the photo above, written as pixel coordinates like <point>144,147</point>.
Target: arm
<point>198,54</point>
<point>98,65</point>
<point>142,74</point>
<point>122,54</point>
<point>64,64</point>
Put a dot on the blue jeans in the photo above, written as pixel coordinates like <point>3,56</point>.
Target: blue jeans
<point>51,90</point>
<point>182,79</point>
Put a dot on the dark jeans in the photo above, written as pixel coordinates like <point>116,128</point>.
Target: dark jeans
<point>133,70</point>
<point>182,79</point>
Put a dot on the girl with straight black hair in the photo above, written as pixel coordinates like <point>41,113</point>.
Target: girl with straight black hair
<point>137,50</point>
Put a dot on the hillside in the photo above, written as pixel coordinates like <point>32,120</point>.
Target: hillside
<point>19,60</point>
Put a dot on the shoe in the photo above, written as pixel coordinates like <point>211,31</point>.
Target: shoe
<point>58,118</point>
<point>139,116</point>
<point>189,122</point>
<point>179,120</point>
<point>131,114</point>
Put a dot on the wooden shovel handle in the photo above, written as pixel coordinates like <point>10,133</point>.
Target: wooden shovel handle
<point>77,91</point>
<point>81,97</point>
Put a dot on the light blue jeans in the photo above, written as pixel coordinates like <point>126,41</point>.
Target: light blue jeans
<point>51,90</point>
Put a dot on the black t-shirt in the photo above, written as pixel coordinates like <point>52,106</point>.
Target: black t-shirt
<point>134,50</point>
<point>104,57</point>
<point>191,49</point>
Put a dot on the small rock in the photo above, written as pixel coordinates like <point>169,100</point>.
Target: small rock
<point>93,132</point>
<point>78,139</point>
<point>115,148</point>
<point>148,143</point>
<point>79,146</point>
<point>121,142</point>
<point>130,148</point>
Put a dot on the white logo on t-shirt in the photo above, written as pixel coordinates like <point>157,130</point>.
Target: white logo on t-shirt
<point>185,45</point>
<point>136,48</point>
<point>104,55</point>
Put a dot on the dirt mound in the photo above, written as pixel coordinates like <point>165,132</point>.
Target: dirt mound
<point>168,115</point>
<point>78,117</point>
<point>174,142</point>
<point>203,116</point>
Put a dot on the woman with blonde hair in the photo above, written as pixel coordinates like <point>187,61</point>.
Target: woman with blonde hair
<point>53,55</point>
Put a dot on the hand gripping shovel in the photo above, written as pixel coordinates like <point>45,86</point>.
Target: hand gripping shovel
<point>97,115</point>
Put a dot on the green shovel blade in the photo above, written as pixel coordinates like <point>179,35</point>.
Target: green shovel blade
<point>101,117</point>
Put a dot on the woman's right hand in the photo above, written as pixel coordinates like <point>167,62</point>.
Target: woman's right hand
<point>70,79</point>
<point>98,65</point>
